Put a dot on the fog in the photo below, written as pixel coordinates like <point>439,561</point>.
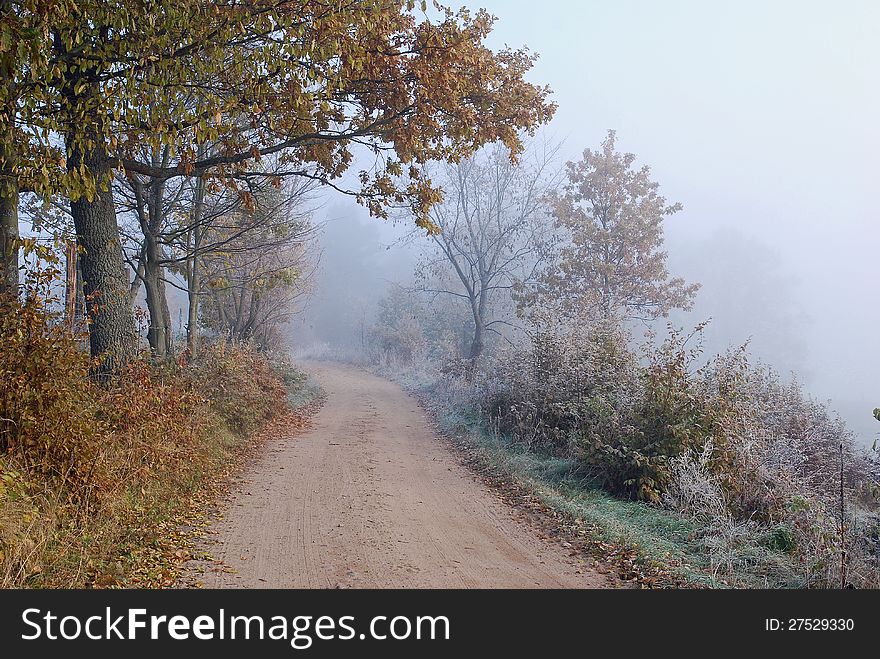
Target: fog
<point>360,256</point>
<point>761,118</point>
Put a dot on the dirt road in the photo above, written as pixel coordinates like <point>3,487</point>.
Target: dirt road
<point>369,497</point>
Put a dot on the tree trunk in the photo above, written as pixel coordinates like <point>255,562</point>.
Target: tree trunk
<point>249,329</point>
<point>194,278</point>
<point>477,343</point>
<point>157,302</point>
<point>159,334</point>
<point>70,286</point>
<point>137,278</point>
<point>478,309</point>
<point>192,319</point>
<point>151,269</point>
<point>112,334</point>
<point>476,348</point>
<point>8,233</point>
<point>8,178</point>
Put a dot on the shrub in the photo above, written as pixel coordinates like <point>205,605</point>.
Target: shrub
<point>50,418</point>
<point>722,441</point>
<point>582,392</point>
<point>88,472</point>
<point>568,388</point>
<point>673,412</point>
<point>240,385</point>
<point>156,418</point>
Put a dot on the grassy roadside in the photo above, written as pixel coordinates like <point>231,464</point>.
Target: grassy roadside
<point>177,532</point>
<point>644,545</point>
<point>114,496</point>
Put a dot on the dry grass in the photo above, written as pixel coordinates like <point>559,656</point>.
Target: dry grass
<point>95,481</point>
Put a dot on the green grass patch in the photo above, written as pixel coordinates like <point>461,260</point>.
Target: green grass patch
<point>660,538</point>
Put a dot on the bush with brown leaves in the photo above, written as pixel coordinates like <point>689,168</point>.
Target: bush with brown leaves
<point>87,468</point>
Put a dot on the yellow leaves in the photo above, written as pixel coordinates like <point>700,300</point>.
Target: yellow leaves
<point>80,87</point>
<point>11,483</point>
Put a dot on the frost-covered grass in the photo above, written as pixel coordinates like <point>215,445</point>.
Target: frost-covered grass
<point>304,392</point>
<point>659,537</point>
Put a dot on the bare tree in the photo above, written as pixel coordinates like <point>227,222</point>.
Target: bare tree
<point>489,230</point>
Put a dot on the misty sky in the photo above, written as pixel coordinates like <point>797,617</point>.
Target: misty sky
<point>762,119</point>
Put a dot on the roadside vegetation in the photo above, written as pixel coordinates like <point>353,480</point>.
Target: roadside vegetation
<point>751,498</point>
<point>96,479</point>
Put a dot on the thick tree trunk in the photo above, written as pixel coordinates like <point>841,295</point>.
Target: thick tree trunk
<point>112,334</point>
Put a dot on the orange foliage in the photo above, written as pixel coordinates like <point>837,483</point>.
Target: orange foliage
<point>89,471</point>
<point>49,408</point>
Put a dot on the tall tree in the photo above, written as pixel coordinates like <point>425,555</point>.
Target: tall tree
<point>23,46</point>
<point>151,208</point>
<point>192,248</point>
<point>611,263</point>
<point>490,229</point>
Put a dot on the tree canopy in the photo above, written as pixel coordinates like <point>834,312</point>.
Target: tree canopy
<point>314,85</point>
<point>303,78</point>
